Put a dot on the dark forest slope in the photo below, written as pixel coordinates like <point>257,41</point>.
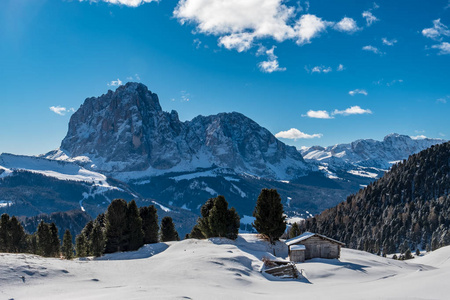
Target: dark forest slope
<point>408,207</point>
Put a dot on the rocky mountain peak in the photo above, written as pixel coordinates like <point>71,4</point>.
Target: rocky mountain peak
<point>126,130</point>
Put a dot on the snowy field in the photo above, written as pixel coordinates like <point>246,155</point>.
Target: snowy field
<point>221,269</point>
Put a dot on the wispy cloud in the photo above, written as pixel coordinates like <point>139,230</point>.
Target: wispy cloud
<point>318,114</point>
<point>354,110</point>
<point>295,134</point>
<point>370,18</point>
<point>388,42</point>
<point>388,83</point>
<point>59,110</point>
<point>443,100</point>
<point>372,49</point>
<point>271,64</point>
<point>347,25</point>
<point>437,31</point>
<point>340,68</point>
<point>444,48</point>
<point>323,69</point>
<point>136,77</point>
<point>419,137</point>
<point>358,91</point>
<point>132,3</point>
<point>117,82</point>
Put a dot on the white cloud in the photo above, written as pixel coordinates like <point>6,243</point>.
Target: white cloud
<point>318,114</point>
<point>117,82</point>
<point>308,27</point>
<point>358,91</point>
<point>448,5</point>
<point>61,110</point>
<point>319,69</point>
<point>370,18</point>
<point>389,42</point>
<point>419,137</point>
<point>437,31</point>
<point>347,25</point>
<point>444,48</point>
<point>271,64</point>
<point>132,3</point>
<point>294,134</point>
<point>441,134</point>
<point>354,110</point>
<point>341,67</point>
<point>372,49</point>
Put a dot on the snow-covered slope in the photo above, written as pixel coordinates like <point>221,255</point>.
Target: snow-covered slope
<point>61,170</point>
<point>221,269</point>
<point>367,158</point>
<point>127,131</point>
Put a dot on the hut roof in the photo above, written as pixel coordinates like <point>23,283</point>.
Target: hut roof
<point>308,235</point>
<point>298,247</point>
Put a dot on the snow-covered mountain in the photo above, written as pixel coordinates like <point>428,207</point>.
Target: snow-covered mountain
<point>366,157</point>
<point>127,131</point>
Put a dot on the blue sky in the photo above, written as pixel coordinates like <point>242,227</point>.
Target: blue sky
<point>316,72</point>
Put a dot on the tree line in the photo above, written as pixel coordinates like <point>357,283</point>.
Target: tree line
<point>125,227</point>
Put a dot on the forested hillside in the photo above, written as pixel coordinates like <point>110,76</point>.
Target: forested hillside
<point>409,207</point>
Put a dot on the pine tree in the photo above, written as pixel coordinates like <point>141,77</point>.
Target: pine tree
<point>5,243</point>
<point>168,232</point>
<point>81,245</point>
<point>54,240</point>
<point>217,220</point>
<point>98,240</point>
<point>134,233</point>
<point>116,223</point>
<point>196,233</point>
<point>149,224</point>
<point>67,246</point>
<point>44,237</point>
<point>270,221</point>
<point>295,231</point>
<point>218,217</point>
<point>18,237</point>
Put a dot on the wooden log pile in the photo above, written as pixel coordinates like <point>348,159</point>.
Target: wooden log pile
<point>283,269</point>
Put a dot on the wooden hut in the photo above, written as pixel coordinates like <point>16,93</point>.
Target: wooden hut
<point>315,246</point>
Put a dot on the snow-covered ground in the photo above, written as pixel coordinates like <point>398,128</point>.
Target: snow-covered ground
<point>221,269</point>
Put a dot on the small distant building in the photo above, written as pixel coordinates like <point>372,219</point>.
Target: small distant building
<point>313,245</point>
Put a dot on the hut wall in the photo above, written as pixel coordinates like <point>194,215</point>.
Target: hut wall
<point>320,248</point>
<point>297,255</point>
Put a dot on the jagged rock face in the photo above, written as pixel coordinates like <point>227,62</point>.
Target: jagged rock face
<point>369,153</point>
<point>127,130</point>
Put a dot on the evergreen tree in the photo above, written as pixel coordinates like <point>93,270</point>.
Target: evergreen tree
<point>81,245</point>
<point>218,217</point>
<point>168,232</point>
<point>55,241</point>
<point>87,232</point>
<point>133,233</point>
<point>295,231</point>
<point>18,237</point>
<point>217,220</point>
<point>196,233</point>
<point>44,240</point>
<point>270,221</point>
<point>116,223</point>
<point>149,224</point>
<point>67,246</point>
<point>98,240</point>
<point>5,243</point>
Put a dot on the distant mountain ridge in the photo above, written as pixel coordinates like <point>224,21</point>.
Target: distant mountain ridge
<point>367,157</point>
<point>127,131</point>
